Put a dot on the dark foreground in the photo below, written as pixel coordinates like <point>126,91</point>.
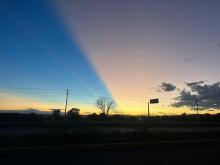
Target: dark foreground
<point>177,152</point>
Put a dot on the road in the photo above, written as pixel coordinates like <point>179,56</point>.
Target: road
<point>179,153</point>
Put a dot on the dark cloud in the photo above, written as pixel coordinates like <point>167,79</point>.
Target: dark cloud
<point>194,84</point>
<point>166,87</point>
<point>207,95</point>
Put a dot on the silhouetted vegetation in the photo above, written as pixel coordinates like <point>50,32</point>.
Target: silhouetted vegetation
<point>105,104</point>
<point>54,129</point>
<point>73,114</point>
<point>56,114</point>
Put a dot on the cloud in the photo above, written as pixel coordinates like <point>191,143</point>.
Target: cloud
<point>213,46</point>
<point>166,87</point>
<point>209,47</point>
<point>207,95</point>
<point>188,59</point>
<point>194,84</point>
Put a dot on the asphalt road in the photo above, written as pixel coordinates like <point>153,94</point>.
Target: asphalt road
<point>183,152</point>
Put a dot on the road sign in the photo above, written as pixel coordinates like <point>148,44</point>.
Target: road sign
<point>154,101</point>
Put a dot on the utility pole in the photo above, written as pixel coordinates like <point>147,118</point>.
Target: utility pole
<point>148,109</point>
<point>67,94</point>
<point>197,106</point>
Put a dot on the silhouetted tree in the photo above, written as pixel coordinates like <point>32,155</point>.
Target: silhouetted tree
<point>105,104</point>
<point>93,116</point>
<point>56,113</point>
<point>73,113</point>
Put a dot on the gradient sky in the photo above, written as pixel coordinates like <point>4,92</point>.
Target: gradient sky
<point>120,48</point>
<point>37,52</point>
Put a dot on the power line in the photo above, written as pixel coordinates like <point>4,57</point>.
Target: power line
<point>75,90</point>
<point>38,91</point>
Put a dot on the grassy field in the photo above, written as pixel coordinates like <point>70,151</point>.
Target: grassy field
<point>109,142</point>
<point>69,133</point>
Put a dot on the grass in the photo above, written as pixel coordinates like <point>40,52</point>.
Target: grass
<point>38,133</point>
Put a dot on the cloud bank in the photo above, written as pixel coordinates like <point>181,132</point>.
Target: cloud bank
<point>207,95</point>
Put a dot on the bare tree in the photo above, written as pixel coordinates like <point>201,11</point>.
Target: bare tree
<point>105,104</point>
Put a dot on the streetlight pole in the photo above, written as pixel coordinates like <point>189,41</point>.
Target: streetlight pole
<point>148,109</point>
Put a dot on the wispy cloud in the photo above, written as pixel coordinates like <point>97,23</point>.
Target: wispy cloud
<point>189,59</point>
<point>214,46</point>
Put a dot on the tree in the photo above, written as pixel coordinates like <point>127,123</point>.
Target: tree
<point>105,104</point>
<point>93,116</point>
<point>56,113</point>
<point>73,113</point>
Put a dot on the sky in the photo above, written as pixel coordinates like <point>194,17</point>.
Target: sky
<point>123,49</point>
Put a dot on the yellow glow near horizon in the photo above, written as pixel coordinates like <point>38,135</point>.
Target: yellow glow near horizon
<point>10,101</point>
<point>125,108</point>
<point>13,102</point>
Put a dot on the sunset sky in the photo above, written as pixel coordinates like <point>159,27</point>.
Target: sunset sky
<point>124,49</point>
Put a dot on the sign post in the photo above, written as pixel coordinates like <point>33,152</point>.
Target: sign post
<point>152,101</point>
<point>148,112</point>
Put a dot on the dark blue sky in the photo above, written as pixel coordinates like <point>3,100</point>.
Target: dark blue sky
<point>36,51</point>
